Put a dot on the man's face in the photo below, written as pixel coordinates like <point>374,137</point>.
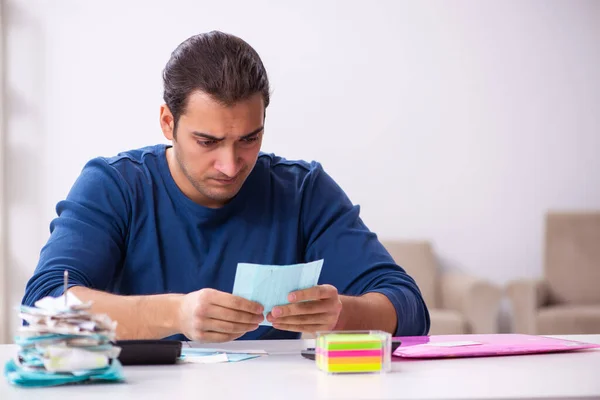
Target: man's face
<point>215,147</point>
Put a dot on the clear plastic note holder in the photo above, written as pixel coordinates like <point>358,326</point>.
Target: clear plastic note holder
<point>341,352</point>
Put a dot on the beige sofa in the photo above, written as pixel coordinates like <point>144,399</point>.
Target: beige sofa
<point>567,299</point>
<point>458,303</point>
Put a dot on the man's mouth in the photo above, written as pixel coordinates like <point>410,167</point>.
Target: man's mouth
<point>227,181</point>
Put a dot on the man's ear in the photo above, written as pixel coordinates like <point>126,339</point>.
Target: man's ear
<point>167,122</point>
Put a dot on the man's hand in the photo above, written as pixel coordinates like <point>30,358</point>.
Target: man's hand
<point>210,316</point>
<point>314,309</point>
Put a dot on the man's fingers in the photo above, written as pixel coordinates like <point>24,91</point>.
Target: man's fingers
<point>306,319</point>
<point>229,327</point>
<point>307,307</point>
<point>319,292</point>
<point>227,314</point>
<point>228,300</point>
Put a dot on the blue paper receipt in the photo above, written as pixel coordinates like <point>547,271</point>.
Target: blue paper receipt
<point>270,285</point>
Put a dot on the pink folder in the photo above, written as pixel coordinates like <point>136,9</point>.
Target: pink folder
<point>442,346</point>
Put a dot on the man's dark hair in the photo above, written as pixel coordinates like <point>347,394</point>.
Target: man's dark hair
<point>216,63</point>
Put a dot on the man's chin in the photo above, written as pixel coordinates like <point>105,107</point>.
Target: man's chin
<point>222,194</point>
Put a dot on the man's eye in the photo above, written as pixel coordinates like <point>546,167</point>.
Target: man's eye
<point>250,139</point>
<point>206,143</point>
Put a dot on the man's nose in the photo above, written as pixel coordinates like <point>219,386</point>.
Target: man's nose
<point>228,163</point>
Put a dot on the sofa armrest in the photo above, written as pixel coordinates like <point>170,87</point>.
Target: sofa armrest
<point>476,299</point>
<point>526,296</point>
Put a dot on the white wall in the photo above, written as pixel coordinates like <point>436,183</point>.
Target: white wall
<point>461,122</point>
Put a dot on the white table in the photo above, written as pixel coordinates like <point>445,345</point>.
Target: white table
<point>284,374</point>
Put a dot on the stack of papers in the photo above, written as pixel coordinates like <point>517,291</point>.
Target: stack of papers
<point>212,356</point>
<point>64,343</point>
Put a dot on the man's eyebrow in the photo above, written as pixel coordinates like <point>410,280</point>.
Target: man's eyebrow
<point>206,136</point>
<point>218,139</point>
<point>254,132</point>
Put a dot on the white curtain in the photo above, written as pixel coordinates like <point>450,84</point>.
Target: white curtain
<point>3,233</point>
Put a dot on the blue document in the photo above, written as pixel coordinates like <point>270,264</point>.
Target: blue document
<point>22,375</point>
<point>270,285</point>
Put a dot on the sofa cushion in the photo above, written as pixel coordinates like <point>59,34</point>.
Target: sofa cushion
<point>572,257</point>
<point>418,260</point>
<point>447,322</point>
<point>568,320</point>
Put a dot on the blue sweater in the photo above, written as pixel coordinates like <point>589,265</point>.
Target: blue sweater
<point>126,228</point>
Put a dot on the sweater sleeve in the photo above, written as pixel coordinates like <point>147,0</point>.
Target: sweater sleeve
<point>87,237</point>
<point>355,261</point>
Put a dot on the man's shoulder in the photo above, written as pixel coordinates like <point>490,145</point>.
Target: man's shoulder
<point>138,156</point>
<point>291,177</point>
<point>285,167</point>
<point>125,168</point>
<point>128,161</point>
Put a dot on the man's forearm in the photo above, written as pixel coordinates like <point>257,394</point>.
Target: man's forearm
<point>369,311</point>
<point>138,317</point>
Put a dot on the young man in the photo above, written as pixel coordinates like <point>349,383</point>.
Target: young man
<point>153,236</point>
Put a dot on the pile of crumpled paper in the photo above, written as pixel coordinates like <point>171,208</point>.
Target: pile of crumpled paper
<point>63,343</point>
